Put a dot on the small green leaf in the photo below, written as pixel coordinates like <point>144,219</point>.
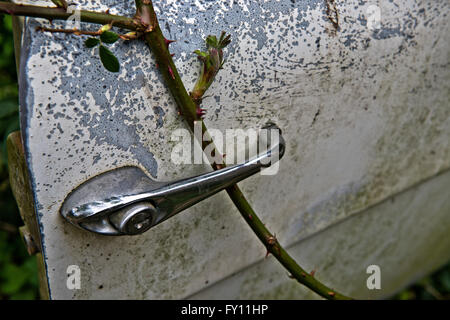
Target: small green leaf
<point>225,40</point>
<point>106,27</point>
<point>222,36</point>
<point>109,37</point>
<point>91,42</point>
<point>211,41</point>
<point>109,61</point>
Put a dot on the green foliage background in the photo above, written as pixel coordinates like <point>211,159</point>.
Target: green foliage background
<point>18,271</point>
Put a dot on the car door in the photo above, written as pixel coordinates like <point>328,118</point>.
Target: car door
<point>360,91</point>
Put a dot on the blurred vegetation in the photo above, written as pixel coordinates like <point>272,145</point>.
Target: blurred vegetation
<point>18,271</point>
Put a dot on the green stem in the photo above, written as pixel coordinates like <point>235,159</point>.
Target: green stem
<point>62,14</point>
<point>274,247</point>
<point>157,43</point>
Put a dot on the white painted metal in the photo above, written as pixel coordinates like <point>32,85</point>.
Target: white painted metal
<point>365,113</point>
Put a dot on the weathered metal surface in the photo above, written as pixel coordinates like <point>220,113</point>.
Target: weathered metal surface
<point>365,114</point>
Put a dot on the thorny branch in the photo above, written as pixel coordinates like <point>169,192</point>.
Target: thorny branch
<point>146,21</point>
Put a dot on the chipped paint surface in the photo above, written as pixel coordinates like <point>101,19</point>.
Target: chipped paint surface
<point>365,115</point>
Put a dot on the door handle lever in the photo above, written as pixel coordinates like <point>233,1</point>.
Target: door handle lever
<point>126,201</point>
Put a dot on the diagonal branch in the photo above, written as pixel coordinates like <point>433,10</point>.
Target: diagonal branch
<point>159,46</point>
<point>61,14</point>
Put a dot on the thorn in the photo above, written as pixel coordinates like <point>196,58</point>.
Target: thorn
<point>107,11</point>
<point>172,55</point>
<point>171,73</point>
<point>312,273</point>
<point>168,42</point>
<point>331,294</point>
<point>291,276</point>
<point>249,216</point>
<point>201,112</point>
<point>267,254</point>
<point>303,274</point>
<point>157,65</point>
<point>180,113</point>
<point>271,240</point>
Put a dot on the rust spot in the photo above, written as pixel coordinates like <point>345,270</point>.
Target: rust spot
<point>333,15</point>
<point>316,116</point>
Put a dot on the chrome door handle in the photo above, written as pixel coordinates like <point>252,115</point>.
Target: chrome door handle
<point>125,201</point>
